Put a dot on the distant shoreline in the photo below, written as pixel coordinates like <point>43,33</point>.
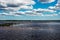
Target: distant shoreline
<point>11,22</point>
<point>29,20</point>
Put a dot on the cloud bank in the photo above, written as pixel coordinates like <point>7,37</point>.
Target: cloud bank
<point>15,5</point>
<point>56,7</point>
<point>12,7</point>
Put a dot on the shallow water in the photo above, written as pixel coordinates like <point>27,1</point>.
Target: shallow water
<point>49,31</point>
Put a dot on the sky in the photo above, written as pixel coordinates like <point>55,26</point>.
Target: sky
<point>29,9</point>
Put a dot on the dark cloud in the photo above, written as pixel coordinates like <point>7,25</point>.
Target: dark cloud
<point>46,1</point>
<point>43,0</point>
<point>12,5</point>
<point>1,6</point>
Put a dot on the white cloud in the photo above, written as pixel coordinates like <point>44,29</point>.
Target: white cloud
<point>51,15</point>
<point>26,7</point>
<point>56,7</point>
<point>29,13</point>
<point>13,13</point>
<point>44,10</point>
<point>16,2</point>
<point>15,5</point>
<point>40,12</point>
<point>46,1</point>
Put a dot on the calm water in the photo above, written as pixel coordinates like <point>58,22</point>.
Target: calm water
<point>34,31</point>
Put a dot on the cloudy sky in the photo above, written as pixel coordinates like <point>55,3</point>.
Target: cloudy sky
<point>29,9</point>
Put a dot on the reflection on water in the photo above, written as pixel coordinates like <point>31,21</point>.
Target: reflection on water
<point>31,31</point>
